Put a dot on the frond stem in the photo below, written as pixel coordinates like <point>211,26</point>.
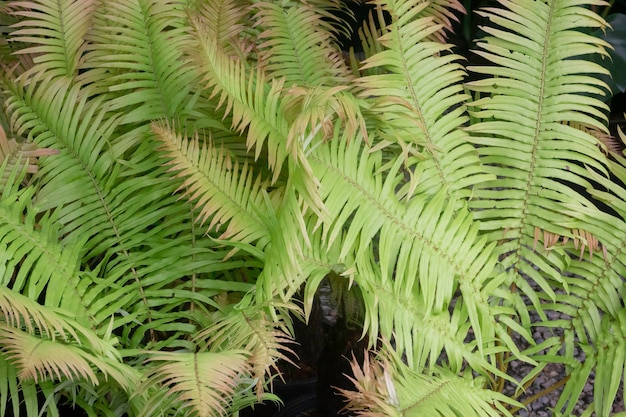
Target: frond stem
<point>542,393</point>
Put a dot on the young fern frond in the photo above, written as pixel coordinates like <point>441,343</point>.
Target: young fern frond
<point>387,387</point>
<point>21,312</point>
<point>44,344</point>
<point>43,359</point>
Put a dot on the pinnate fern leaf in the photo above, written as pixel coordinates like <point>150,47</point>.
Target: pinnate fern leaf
<point>57,31</point>
<point>295,44</point>
<point>135,51</point>
<point>39,264</point>
<point>226,20</point>
<point>403,255</point>
<point>256,105</point>
<point>418,99</point>
<point>228,195</point>
<point>530,97</point>
<point>44,344</point>
<point>203,382</point>
<point>39,359</point>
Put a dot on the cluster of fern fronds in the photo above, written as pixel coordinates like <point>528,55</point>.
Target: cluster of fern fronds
<point>174,172</point>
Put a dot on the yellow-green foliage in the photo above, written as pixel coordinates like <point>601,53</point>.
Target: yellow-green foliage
<point>175,171</point>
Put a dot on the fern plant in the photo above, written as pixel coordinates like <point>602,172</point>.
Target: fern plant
<point>174,172</point>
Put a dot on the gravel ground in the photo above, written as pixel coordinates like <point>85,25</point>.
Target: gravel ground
<point>543,406</point>
<point>551,375</point>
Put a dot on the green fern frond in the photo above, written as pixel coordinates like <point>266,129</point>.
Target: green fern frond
<point>57,116</point>
<point>12,388</point>
<point>57,29</point>
<point>37,264</point>
<point>444,13</point>
<point>43,345</point>
<point>226,20</point>
<point>247,95</point>
<point>256,106</point>
<point>611,363</point>
<point>79,180</point>
<point>318,114</point>
<point>369,34</point>
<point>19,311</point>
<point>414,264</point>
<point>592,312</point>
<point>418,101</point>
<point>23,313</point>
<point>607,359</point>
<point>135,52</point>
<point>597,279</point>
<point>179,278</point>
<point>320,261</point>
<point>533,92</point>
<point>107,204</point>
<point>282,272</point>
<point>296,44</point>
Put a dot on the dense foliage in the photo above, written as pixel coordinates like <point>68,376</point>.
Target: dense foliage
<point>174,172</point>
